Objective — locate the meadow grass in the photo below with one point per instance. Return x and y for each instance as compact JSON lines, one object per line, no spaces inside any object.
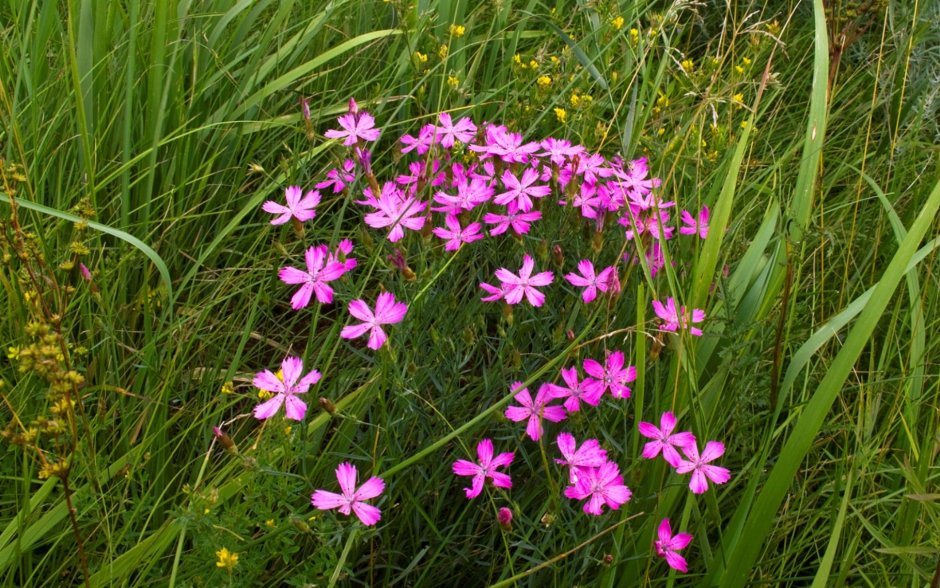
{"x":141,"y":139}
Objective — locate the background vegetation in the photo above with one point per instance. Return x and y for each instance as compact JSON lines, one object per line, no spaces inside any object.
{"x":811,"y":132}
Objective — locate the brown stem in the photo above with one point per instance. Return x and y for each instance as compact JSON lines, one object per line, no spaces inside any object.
{"x":82,"y":558}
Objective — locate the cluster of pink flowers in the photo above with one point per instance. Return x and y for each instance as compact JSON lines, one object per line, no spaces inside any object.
{"x":611,"y":377}
{"x":669,"y":444}
{"x":508,"y":182}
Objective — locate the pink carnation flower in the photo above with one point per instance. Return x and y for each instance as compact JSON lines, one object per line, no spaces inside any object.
{"x":591,"y":281}
{"x":664,"y":440}
{"x":321,"y":268}
{"x":535,"y":410}
{"x":455,"y":235}
{"x":692,"y":226}
{"x":601,"y":485}
{"x":486,"y":468}
{"x":668,"y":544}
{"x":610,"y":376}
{"x":299,"y":206}
{"x":284,"y":389}
{"x":674,"y":319}
{"x":589,"y":455}
{"x":698,"y":465}
{"x":356,"y":126}
{"x":350,"y":499}
{"x":387,"y":311}
{"x":525,"y":284}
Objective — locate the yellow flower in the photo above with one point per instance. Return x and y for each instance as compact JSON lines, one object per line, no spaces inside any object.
{"x":662,"y":101}
{"x":617,"y":22}
{"x":554,"y":60}
{"x":634,"y":36}
{"x":586,"y":99}
{"x":533,"y":64}
{"x":544,"y":81}
{"x":228,"y":387}
{"x":660,"y":131}
{"x":743,"y":124}
{"x":264,"y":394}
{"x":288,"y":429}
{"x":746,"y":61}
{"x":421,"y":57}
{"x":269,"y":523}
{"x":739,"y":69}
{"x":575,"y":100}
{"x":442,"y":51}
{"x":226,"y":559}
{"x":773,"y":28}
{"x":561,"y":114}
{"x":517,"y":59}
{"x":738,"y":98}
{"x":457,"y":30}
{"x":687,"y":65}
{"x":453,"y":82}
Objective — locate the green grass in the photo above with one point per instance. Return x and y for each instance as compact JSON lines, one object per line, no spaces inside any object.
{"x":175,"y":121}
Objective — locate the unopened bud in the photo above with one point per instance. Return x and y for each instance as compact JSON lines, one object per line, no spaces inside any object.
{"x":504,"y":516}
{"x":327,"y":405}
{"x":353,"y":107}
{"x":558,"y":258}
{"x":224,"y":439}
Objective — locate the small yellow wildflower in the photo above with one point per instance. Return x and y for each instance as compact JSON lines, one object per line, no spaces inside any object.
{"x":634,"y":36}
{"x":453,"y":82}
{"x":421,"y":57}
{"x":617,"y":21}
{"x":746,"y":61}
{"x":457,"y":30}
{"x":443,"y":51}
{"x":773,"y":28}
{"x":517,"y":59}
{"x":586,"y":99}
{"x":738,"y":98}
{"x":575,"y":100}
{"x":561,"y":114}
{"x":544,"y":81}
{"x":226,"y":559}
{"x":288,"y":429}
{"x":739,"y":69}
{"x":662,"y":101}
{"x":228,"y":387}
{"x":533,"y":64}
{"x":687,"y":65}
{"x":264,"y":394}
{"x":554,"y":59}
{"x":660,"y":131}
{"x":269,"y":523}
{"x":743,"y":124}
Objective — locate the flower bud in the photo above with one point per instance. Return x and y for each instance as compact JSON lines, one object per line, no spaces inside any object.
{"x":327,"y":405}
{"x":504,"y":516}
{"x":224,"y":439}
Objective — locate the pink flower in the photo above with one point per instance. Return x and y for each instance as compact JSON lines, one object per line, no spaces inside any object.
{"x":698,"y":465}
{"x":300,"y":206}
{"x":678,"y":318}
{"x":341,"y":255}
{"x":560,"y":151}
{"x":486,"y":468}
{"x":663,"y":439}
{"x":351,"y":498}
{"x":514,"y":217}
{"x":320,"y":270}
{"x":611,"y":376}
{"x":420,"y":144}
{"x":515,"y":287}
{"x":84,"y":271}
{"x":535,"y":410}
{"x":448,"y":132}
{"x":521,"y":191}
{"x":692,"y":226}
{"x":356,"y":126}
{"x":338,"y":179}
{"x":387,"y":311}
{"x":471,"y":192}
{"x":395,"y":210}
{"x":668,"y":544}
{"x":455,"y":235}
{"x":601,"y":485}
{"x":575,"y":391}
{"x":284,"y":389}
{"x":589,"y":455}
{"x":590,"y":281}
